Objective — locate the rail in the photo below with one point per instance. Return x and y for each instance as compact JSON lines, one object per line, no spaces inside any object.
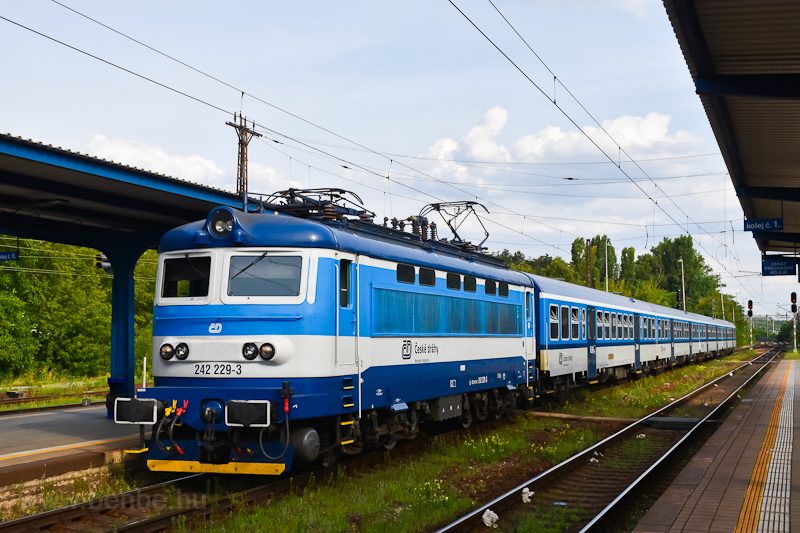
{"x":472,"y":520}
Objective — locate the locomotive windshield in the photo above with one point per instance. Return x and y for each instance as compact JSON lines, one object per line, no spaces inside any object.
{"x":264,"y":275}
{"x":186,"y":277}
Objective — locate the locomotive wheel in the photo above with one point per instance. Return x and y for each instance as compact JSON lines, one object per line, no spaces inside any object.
{"x":480,"y":407}
{"x":466,"y":412}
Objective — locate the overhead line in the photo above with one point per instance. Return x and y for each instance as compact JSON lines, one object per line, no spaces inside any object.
{"x":619,"y":146}
{"x":571,"y":120}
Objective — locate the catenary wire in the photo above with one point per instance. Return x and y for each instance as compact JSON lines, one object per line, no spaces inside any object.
{"x":571,"y":120}
{"x":228,"y":112}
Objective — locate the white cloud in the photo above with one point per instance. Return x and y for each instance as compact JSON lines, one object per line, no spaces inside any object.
{"x":480,"y":138}
{"x":263,"y":179}
{"x":192,"y":168}
{"x":639,"y":136}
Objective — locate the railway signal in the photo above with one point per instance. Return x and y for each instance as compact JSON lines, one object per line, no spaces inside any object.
{"x":679,"y":299}
{"x":750,"y":308}
{"x":104,"y":263}
{"x":794,"y":302}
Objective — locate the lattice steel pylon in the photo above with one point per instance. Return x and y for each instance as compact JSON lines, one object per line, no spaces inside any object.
{"x":245,"y":134}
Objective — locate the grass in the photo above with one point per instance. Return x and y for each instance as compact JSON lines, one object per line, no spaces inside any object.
{"x":51,"y":496}
{"x":791,"y":356}
{"x":415,"y":495}
{"x":547,"y":519}
{"x":632,"y":451}
{"x":49,"y":403}
{"x":636,"y":398}
{"x":52,"y":382}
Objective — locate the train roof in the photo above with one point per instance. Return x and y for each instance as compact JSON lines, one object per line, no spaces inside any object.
{"x":579,"y":292}
{"x":365,"y":238}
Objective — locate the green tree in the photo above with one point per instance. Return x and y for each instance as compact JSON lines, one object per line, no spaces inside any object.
{"x":627,"y":268}
{"x":649,"y":291}
{"x":600,"y":244}
{"x":578,"y":262}
{"x":786,"y":333}
{"x":560,"y":269}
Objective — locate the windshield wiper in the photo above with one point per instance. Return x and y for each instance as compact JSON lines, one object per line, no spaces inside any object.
{"x":262,"y":256}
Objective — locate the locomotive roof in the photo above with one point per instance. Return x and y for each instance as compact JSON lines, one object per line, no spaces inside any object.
{"x":268,"y":229}
{"x":579,"y":292}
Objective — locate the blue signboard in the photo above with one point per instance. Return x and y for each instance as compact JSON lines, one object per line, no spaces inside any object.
{"x":764,"y":224}
{"x":777,"y":267}
{"x":9,"y":256}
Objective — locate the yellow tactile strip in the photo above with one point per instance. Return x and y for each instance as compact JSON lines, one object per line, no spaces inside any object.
{"x":754,"y":497}
{"x":775,"y":509}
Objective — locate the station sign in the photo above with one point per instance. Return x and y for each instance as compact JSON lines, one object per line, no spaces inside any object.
{"x":9,"y":256}
{"x":778,"y":267}
{"x":764,"y":224}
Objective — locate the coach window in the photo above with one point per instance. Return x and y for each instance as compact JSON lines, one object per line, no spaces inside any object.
{"x":652,"y":328}
{"x":607,"y":325}
{"x":619,"y":326}
{"x":490,"y":287}
{"x":503,"y":289}
{"x":613,"y":326}
{"x":427,"y":277}
{"x":576,"y":333}
{"x":564,"y":323}
{"x":553,"y":322}
{"x":645,"y":332}
{"x":625,"y":327}
{"x":344,"y":283}
{"x":583,"y":324}
{"x":599,"y":325}
{"x":631,"y":330}
{"x":453,"y":281}
{"x":470,"y":284}
{"x":405,"y":274}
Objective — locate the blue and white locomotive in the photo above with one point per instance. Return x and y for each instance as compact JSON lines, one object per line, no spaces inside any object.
{"x":302,"y":330}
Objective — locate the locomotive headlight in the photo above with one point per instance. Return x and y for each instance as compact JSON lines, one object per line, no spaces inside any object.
{"x":182,"y":351}
{"x":249,"y":351}
{"x":267,"y":352}
{"x":166,"y":352}
{"x":221,"y":224}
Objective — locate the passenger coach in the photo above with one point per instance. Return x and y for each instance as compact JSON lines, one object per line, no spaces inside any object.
{"x":303,"y":331}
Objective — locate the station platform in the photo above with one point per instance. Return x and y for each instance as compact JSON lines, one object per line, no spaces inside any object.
{"x":742,"y":479}
{"x":53,"y":443}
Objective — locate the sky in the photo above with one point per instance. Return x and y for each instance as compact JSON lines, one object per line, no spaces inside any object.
{"x":592,"y":127}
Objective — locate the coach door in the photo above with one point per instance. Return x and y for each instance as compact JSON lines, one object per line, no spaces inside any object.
{"x":591,"y":339}
{"x":637,"y":344}
{"x":530,"y":354}
{"x":346,"y":309}
{"x":672,"y":340}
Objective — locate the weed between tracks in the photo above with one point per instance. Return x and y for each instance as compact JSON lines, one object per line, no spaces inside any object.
{"x":543,"y":518}
{"x":417,"y":494}
{"x":52,"y":495}
{"x":453,"y":477}
{"x":634,"y":399}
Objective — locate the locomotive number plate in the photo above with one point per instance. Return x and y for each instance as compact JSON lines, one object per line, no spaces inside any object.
{"x":217,"y":369}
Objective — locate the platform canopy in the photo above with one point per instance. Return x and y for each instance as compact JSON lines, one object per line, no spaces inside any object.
{"x":744,"y":58}
{"x":62,"y":196}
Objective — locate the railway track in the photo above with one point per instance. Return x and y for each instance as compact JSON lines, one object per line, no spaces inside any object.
{"x":194,"y":498}
{"x":92,"y":391}
{"x":595,"y":484}
{"x":188,"y":499}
